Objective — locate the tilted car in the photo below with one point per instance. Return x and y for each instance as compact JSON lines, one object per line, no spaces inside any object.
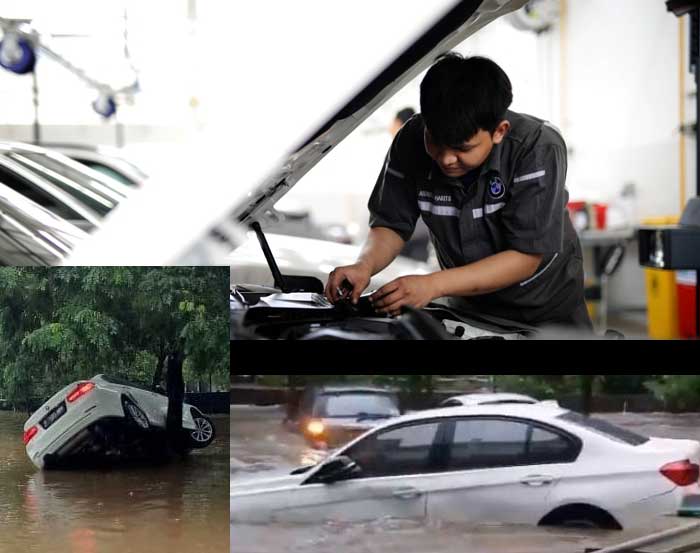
{"x":331,"y":416}
{"x":535,"y":464}
{"x":105,"y":419}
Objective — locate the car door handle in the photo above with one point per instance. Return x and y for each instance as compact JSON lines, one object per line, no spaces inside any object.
{"x":407,"y":493}
{"x":537,"y":481}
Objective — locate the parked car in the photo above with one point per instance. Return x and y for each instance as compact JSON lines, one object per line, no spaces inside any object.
{"x":533,"y":464}
{"x":487,"y":399}
{"x":104,"y":419}
{"x":31,"y":234}
{"x":72,"y":191}
{"x":108,"y":161}
{"x":331,"y":416}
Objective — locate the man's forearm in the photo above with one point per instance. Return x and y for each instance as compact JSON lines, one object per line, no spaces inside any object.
{"x":382,"y":246}
{"x":486,"y":275}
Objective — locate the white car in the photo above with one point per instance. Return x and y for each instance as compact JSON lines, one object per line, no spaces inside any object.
{"x":105,"y":417}
{"x":487,"y":399}
{"x":525,"y":464}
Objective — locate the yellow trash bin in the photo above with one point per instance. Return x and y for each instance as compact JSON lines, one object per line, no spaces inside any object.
{"x":662,"y":295}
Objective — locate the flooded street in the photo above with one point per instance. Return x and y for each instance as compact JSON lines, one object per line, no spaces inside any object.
{"x":181,"y":506}
{"x":260,"y":446}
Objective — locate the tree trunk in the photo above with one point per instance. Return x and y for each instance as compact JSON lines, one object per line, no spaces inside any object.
{"x":587,"y":393}
{"x":176,"y":398}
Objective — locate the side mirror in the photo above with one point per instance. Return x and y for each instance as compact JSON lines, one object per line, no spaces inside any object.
{"x":338,"y":468}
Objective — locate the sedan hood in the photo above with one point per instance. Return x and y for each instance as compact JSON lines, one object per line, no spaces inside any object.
{"x":268,"y":161}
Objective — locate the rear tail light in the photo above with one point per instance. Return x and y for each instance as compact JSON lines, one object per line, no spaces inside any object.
{"x":682,"y":473}
{"x":29,"y":434}
{"x":79,"y":391}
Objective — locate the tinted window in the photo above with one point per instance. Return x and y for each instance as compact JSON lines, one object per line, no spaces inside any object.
{"x":605,"y":428}
{"x":402,"y":451}
{"x":483,"y":443}
{"x":549,"y":447}
{"x":354,"y":405}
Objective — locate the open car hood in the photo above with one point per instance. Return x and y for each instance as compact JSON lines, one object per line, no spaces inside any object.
{"x":214,"y":213}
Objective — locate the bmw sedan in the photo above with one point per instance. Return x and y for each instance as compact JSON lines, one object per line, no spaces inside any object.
{"x":105,"y":419}
{"x":534,"y":464}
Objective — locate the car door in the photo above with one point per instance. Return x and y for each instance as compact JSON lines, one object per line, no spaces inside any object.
{"x":394,"y":467}
{"x":500,"y":469}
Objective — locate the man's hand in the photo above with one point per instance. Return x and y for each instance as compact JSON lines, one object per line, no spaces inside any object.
{"x":414,"y":290}
{"x":358,"y":275}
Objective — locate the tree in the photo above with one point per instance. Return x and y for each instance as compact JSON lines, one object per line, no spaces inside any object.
{"x":67,"y":323}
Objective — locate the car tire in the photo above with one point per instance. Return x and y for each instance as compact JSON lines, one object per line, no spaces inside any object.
{"x":203,"y":434}
{"x":135,"y":415}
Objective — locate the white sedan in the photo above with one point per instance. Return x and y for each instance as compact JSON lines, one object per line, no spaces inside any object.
{"x":511,"y":463}
{"x":487,"y":399}
{"x":105,"y":418}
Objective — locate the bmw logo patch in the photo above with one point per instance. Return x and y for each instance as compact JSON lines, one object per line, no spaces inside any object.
{"x":496,"y":188}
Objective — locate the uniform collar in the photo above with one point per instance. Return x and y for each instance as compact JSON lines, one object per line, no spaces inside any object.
{"x":493,"y":162}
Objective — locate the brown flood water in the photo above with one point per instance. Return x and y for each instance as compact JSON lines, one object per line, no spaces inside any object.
{"x":182,"y":506}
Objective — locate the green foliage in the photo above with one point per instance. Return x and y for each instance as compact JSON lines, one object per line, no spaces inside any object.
{"x":66,"y":323}
{"x":680,"y":392}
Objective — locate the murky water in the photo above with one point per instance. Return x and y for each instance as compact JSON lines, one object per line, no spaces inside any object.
{"x":261,"y":445}
{"x":181,"y":506}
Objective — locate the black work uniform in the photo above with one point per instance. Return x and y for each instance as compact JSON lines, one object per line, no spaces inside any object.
{"x":516,"y":200}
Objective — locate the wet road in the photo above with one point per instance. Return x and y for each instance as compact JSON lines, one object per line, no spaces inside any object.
{"x":182,"y":506}
{"x":261,"y":446}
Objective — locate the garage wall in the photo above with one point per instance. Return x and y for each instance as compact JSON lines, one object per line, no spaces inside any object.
{"x":622,"y":115}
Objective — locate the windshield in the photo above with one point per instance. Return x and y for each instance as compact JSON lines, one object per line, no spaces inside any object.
{"x":356,"y":405}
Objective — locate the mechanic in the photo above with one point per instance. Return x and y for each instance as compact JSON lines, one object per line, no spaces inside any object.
{"x":489,"y":184}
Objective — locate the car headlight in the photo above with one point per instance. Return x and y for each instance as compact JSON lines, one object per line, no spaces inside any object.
{"x":315,"y":428}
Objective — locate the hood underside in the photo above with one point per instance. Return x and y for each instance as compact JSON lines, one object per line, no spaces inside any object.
{"x":461,"y":21}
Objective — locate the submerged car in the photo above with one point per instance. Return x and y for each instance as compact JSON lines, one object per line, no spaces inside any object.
{"x":331,"y":416}
{"x":534,"y":464}
{"x":106,"y":419}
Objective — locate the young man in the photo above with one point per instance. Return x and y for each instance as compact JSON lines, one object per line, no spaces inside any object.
{"x":489,"y":184}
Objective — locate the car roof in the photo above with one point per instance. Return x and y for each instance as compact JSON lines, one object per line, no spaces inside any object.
{"x":339,"y":389}
{"x":481,"y":398}
{"x":538,"y":411}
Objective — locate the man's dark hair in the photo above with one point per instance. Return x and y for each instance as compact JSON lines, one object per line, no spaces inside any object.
{"x":459,"y":96}
{"x":405,"y":114}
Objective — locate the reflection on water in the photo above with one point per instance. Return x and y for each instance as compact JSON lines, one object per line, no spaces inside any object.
{"x":181,"y":506}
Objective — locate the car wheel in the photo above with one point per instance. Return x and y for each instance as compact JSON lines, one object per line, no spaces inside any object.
{"x":135,"y":414}
{"x":204,"y":432}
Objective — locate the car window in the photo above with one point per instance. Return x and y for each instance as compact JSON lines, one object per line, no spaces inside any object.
{"x":351,"y":405}
{"x":605,"y":428}
{"x":484,"y":443}
{"x":108,"y":171}
{"x":549,"y":447}
{"x":451,"y":403}
{"x":395,"y":452}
